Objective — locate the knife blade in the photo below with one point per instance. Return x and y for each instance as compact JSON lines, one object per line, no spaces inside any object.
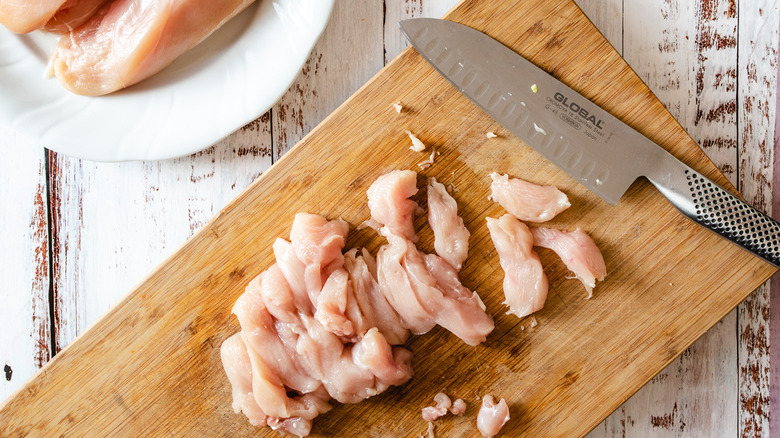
{"x":587,"y":142}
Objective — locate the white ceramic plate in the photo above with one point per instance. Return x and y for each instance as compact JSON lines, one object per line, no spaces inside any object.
{"x":225,"y":82}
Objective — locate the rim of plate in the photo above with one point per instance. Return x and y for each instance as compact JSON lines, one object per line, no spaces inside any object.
{"x":223,"y":83}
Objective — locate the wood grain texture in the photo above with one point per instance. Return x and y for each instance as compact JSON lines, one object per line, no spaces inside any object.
{"x":686,"y":53}
{"x":113,"y":222}
{"x":607,"y":16}
{"x":24,"y":297}
{"x":167,"y":332}
{"x":757,"y":85}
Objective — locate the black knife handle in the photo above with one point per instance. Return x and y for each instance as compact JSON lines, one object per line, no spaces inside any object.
{"x":717,"y":209}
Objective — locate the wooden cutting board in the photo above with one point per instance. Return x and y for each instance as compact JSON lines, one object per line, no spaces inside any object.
{"x":151,"y":366}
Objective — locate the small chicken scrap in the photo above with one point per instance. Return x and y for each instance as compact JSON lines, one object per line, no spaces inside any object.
{"x":443,"y":405}
{"x":492,"y":416}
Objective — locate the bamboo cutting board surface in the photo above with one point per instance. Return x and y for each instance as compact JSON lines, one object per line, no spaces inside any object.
{"x":151,"y":366}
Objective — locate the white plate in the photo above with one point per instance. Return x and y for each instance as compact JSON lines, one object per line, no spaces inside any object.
{"x":225,"y":82}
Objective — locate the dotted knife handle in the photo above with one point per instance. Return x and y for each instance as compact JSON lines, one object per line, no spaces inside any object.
{"x":720,"y":211}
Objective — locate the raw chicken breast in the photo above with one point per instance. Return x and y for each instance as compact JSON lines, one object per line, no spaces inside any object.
{"x":525,"y":284}
{"x":527,"y":201}
{"x":451,"y":238}
{"x":235,"y":360}
{"x":127,"y":41}
{"x":438,"y":292}
{"x":22,"y":16}
{"x":492,"y":416}
{"x":72,"y":14}
{"x":389,"y":203}
{"x":577,"y":250}
{"x":376,"y":311}
{"x":318,"y":243}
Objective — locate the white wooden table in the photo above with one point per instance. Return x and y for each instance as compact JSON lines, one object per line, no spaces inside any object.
{"x":75,"y":235}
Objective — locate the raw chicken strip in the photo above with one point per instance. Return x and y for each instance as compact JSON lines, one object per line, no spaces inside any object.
{"x":438,"y":292}
{"x":396,"y":286}
{"x":337,"y":307}
{"x":527,"y":201}
{"x":72,"y":14}
{"x":525,"y":284}
{"x":388,"y":200}
{"x":492,"y":416}
{"x":318,"y":243}
{"x":235,"y":360}
{"x":127,"y":41}
{"x":443,"y":403}
{"x":376,"y":311}
{"x":391,"y":365}
{"x":293,"y":271}
{"x":451,"y":238}
{"x":261,"y":330}
{"x":577,"y":250}
{"x":22,"y":16}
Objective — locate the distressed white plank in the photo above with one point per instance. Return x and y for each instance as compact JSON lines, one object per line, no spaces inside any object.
{"x":112,"y":223}
{"x":24,"y":268}
{"x":397,"y":10}
{"x":686,"y":53}
{"x":758,"y":43}
{"x":347,"y":55}
{"x":607,"y":15}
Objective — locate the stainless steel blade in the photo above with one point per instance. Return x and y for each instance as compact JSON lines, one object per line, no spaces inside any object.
{"x":588,"y":143}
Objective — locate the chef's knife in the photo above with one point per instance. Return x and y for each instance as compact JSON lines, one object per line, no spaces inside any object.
{"x":592,"y":146}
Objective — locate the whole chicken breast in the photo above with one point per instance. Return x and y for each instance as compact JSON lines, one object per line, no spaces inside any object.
{"x":22,"y":16}
{"x":126,"y":41}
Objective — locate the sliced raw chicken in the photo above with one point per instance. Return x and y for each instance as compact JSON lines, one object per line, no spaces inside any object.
{"x":375,"y":309}
{"x":261,"y":331}
{"x":396,"y":286}
{"x":72,"y":14}
{"x":577,"y":250}
{"x":337,"y":308}
{"x":22,"y":16}
{"x":127,"y":41}
{"x":391,"y":365}
{"x":318,"y":243}
{"x":525,"y":284}
{"x":235,"y":360}
{"x":527,"y":201}
{"x":451,"y":238}
{"x":293,"y":271}
{"x":353,"y":373}
{"x":389,"y":203}
{"x":492,"y":416}
{"x":438,"y":292}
